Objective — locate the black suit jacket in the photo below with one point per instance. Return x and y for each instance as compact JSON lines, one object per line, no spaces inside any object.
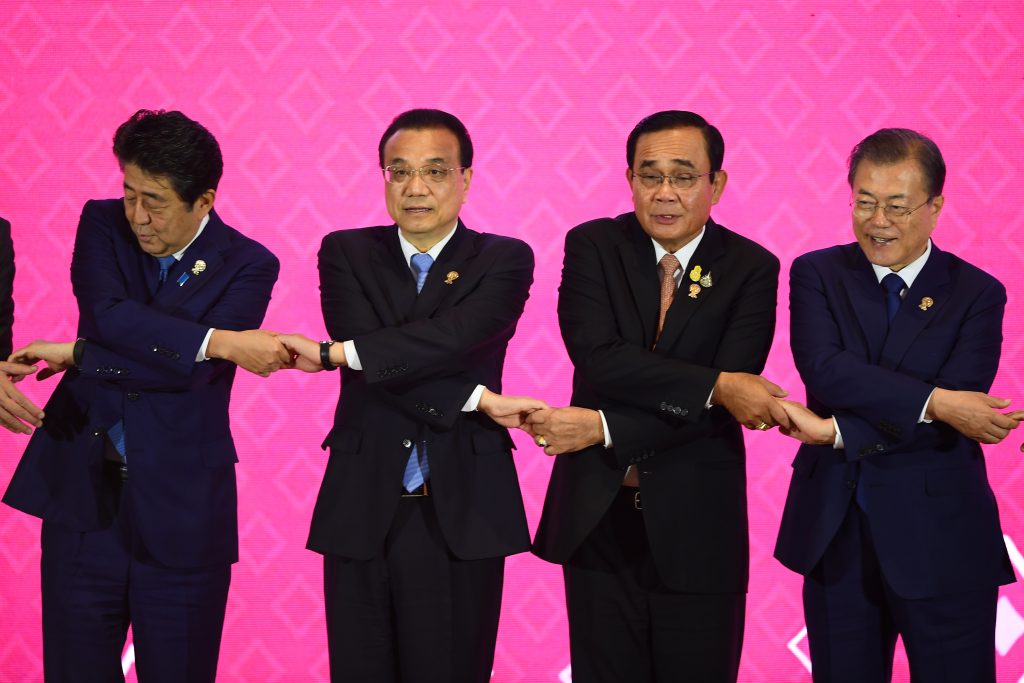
{"x":6,"y":290}
{"x":691,"y":459}
{"x":421,"y":357}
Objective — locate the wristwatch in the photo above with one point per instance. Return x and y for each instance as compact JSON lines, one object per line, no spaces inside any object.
{"x":325,"y":355}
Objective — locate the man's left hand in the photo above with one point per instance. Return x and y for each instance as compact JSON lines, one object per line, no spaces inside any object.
{"x":509,"y":411}
{"x":17,"y":413}
{"x":565,"y":430}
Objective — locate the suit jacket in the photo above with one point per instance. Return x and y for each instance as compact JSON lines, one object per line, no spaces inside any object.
{"x":691,"y":459}
{"x":6,"y":290}
{"x":139,"y":366}
{"x":932,"y":514}
{"x":421,"y":358}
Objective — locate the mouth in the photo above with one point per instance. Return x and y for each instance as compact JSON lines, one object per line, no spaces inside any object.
{"x":881,"y":240}
{"x":665,"y":218}
{"x":417,"y":210}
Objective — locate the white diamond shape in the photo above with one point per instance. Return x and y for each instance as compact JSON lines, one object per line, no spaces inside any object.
{"x":496,"y":39}
{"x":186,"y":23}
{"x":753,"y":42}
{"x":992,"y":36}
{"x":827,"y":36}
{"x":584,"y":30}
{"x":347,"y":44}
{"x":794,"y":646}
{"x":665,"y":25}
{"x":1009,"y":626}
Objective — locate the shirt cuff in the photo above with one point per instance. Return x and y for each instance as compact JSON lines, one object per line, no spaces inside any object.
{"x":474,"y":399}
{"x":707,"y":403}
{"x":838,"y":443}
{"x":351,"y":356}
{"x":607,"y":432}
{"x":924,"y":411}
{"x":201,"y":356}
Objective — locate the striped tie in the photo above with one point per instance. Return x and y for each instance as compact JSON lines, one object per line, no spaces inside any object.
{"x":417,"y":469}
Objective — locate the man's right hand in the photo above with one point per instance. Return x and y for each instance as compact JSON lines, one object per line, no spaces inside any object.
{"x":257,"y":351}
{"x":751,"y":400}
{"x":17,"y":413}
{"x":973,"y":414}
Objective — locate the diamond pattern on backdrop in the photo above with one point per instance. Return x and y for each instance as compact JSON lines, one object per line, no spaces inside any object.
{"x":298,"y":95}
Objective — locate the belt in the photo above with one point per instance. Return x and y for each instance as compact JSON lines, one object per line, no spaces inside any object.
{"x":631,"y":494}
{"x":421,"y":491}
{"x":115,"y":468}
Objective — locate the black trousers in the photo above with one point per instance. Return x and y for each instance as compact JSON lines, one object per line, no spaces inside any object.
{"x":854,"y":616}
{"x":626,"y":626}
{"x":414,"y":613}
{"x":96,"y":583}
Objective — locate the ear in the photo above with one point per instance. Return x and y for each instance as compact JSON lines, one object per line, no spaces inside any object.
{"x":718,"y":186}
{"x":204,"y":204}
{"x":629,"y":177}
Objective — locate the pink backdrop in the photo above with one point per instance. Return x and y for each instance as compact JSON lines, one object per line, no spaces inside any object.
{"x":298,"y":94}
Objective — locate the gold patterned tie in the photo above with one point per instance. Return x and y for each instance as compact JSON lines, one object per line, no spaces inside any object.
{"x":668,"y":264}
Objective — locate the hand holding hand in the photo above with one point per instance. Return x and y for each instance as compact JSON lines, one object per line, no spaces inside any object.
{"x":257,"y":351}
{"x":16,"y":411}
{"x":565,"y":430}
{"x":751,"y":400}
{"x":58,"y":356}
{"x":509,"y":411}
{"x":973,"y":414}
{"x":304,"y":351}
{"x":806,"y":426}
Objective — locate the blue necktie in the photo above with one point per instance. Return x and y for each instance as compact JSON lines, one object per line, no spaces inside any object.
{"x":417,"y":470}
{"x":893,"y":285}
{"x":116,"y":433}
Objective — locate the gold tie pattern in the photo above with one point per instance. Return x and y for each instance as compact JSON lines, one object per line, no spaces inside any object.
{"x":668,"y":264}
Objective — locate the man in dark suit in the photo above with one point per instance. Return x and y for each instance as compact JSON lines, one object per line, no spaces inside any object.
{"x":890,"y":517}
{"x":420,"y":502}
{"x":666,"y":316}
{"x":17,"y":413}
{"x":133,"y":470}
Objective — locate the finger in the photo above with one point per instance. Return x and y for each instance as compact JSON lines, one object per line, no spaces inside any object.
{"x":996,"y":402}
{"x":20,"y":370}
{"x":537,"y":418}
{"x":24,"y":409}
{"x":779,"y":415}
{"x":551,"y":450}
{"x":12,"y":424}
{"x":774,"y":389}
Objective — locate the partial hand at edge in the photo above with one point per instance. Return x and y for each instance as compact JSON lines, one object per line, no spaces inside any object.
{"x":58,"y":356}
{"x":806,"y":426}
{"x":17,"y":413}
{"x":973,"y":414}
{"x":509,"y":411}
{"x":305,"y":352}
{"x":566,"y":430}
{"x":750,"y":399}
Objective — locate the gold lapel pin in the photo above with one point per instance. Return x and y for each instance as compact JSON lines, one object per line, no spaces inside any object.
{"x":198,"y":267}
{"x":705,"y":281}
{"x":694,"y":290}
{"x":926,"y":303}
{"x":695,"y":273}
{"x":451,"y":277}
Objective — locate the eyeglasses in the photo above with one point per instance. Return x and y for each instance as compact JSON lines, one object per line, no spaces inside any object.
{"x":867,"y":209}
{"x":435,"y":173}
{"x":679,"y":181}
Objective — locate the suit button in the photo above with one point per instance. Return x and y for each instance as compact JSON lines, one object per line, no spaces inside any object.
{"x":677,"y":410}
{"x":133,"y":396}
{"x":407,"y":443}
{"x":156,"y":349}
{"x":851,"y":484}
{"x":663,"y":406}
{"x":432,"y":411}
{"x":684,"y":412}
{"x":97,"y":433}
{"x":176,"y":356}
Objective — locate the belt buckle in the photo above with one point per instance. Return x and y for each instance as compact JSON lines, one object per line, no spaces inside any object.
{"x":423,"y":491}
{"x":637,"y":504}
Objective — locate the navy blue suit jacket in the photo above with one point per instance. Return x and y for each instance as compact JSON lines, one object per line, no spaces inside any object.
{"x":6,"y":289}
{"x":139,"y":366}
{"x":932,"y":514}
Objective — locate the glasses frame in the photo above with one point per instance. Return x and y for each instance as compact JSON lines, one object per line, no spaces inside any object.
{"x":421,"y":172}
{"x":887,"y":210}
{"x":673,"y":179}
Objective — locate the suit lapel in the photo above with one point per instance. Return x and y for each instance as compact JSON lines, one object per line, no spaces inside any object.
{"x":451,"y":259}
{"x":867,"y":300}
{"x":393,"y":273}
{"x":637,"y":255}
{"x":910,"y":320}
{"x":198,"y":265}
{"x":683,"y":305}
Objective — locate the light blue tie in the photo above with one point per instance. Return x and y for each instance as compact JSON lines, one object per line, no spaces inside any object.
{"x":417,"y":470}
{"x":116,"y":433}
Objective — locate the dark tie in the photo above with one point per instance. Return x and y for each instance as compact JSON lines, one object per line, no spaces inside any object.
{"x":417,"y":470}
{"x":893,"y":285}
{"x":165,"y":265}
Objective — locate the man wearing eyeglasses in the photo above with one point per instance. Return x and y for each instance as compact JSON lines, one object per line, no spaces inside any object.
{"x":890,"y":516}
{"x":420,"y":502}
{"x":667,"y":317}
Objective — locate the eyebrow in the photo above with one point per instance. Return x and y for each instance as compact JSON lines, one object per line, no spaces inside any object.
{"x":892,"y":196}
{"x":432,"y":160}
{"x":647,"y":163}
{"x":151,"y":195}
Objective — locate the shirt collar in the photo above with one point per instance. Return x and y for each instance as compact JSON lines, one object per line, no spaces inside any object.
{"x":408,"y":249}
{"x":202,"y":224}
{"x":909,"y":272}
{"x":685,"y":253}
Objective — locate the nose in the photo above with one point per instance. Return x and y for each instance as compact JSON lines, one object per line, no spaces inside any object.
{"x":136,"y":213}
{"x":879,"y":217}
{"x":416,"y":185}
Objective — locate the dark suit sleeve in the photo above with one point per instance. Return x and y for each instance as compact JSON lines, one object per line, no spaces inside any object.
{"x":6,"y":290}
{"x":634,"y":380}
{"x":873,"y":404}
{"x":446,"y":345}
{"x":121,"y":329}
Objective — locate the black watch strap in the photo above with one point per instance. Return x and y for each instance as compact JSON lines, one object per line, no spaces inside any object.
{"x":78,"y":353}
{"x":325,"y":355}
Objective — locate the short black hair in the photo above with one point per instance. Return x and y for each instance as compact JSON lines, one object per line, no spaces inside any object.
{"x":671,"y":119}
{"x":426,"y":119}
{"x":169,"y":144}
{"x":893,"y":145}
